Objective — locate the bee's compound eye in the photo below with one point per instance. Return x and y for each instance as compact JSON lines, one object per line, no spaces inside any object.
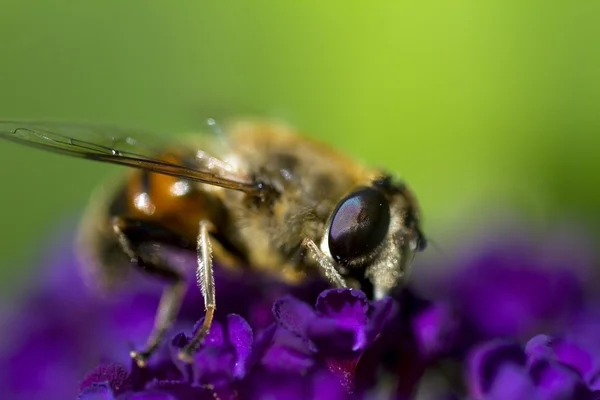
{"x":359,"y":224}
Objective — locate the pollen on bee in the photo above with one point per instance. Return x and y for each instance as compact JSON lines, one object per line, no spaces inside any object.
{"x":142,"y":202}
{"x":180,"y":188}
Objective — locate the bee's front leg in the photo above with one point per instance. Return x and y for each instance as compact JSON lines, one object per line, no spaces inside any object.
{"x":206,"y":282}
{"x":132,"y":234}
{"x":326,"y":265}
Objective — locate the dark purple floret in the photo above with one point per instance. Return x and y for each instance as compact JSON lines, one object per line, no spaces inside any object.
{"x":294,"y":354}
{"x":343,"y":323}
{"x":111,"y":376}
{"x":222,"y":369}
{"x":225,"y":353}
{"x":270,"y":340}
{"x":336,"y":333}
{"x":435,"y":329}
{"x":63,"y":329}
{"x":511,"y":280}
{"x":502,"y":369}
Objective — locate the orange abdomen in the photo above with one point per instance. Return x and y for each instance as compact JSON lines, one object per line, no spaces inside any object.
{"x":173,"y":202}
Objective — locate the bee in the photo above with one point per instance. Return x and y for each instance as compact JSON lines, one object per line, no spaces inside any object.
{"x":263,"y":196}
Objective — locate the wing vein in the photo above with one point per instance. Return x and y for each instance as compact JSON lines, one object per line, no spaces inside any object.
{"x":129,"y":148}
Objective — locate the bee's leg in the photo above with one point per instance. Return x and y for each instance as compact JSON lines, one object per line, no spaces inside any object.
{"x":206,"y":282}
{"x":131,"y":235}
{"x":325,"y":263}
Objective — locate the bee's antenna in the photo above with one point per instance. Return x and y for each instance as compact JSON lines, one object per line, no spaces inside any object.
{"x":435,"y":246}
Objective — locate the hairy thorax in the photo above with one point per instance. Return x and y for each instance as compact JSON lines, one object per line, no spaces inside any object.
{"x":309,"y":178}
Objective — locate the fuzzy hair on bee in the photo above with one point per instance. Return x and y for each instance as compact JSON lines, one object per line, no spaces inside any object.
{"x":264,"y":197}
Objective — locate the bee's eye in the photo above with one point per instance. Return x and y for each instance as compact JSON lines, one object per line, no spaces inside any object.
{"x":359,"y":224}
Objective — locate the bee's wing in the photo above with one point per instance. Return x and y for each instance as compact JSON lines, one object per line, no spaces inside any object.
{"x":128,"y":147}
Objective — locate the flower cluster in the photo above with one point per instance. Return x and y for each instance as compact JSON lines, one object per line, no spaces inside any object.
{"x":508,"y":318}
{"x":546,"y":368}
{"x":304,"y":354}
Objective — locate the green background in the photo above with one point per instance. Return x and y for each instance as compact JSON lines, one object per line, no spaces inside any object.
{"x":480,"y":105}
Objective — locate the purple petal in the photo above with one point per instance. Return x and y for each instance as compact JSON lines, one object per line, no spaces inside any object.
{"x":511,"y":280}
{"x":152,"y":395}
{"x":225,"y":351}
{"x":434,"y":329}
{"x":240,"y":336}
{"x":288,"y":353}
{"x":341,"y":327}
{"x":326,"y":386}
{"x":344,"y":372}
{"x":134,"y":316}
{"x":214,"y":366}
{"x":331,"y":338}
{"x":215,"y":335}
{"x":487,"y":359}
{"x":568,"y":353}
{"x":275,"y":385}
{"x":556,"y":381}
{"x":318,"y":385}
{"x":347,"y":305}
{"x":380,"y":313}
{"x":175,"y":390}
{"x":215,"y":362}
{"x":262,"y":342}
{"x":115,"y":376}
{"x":97,"y":391}
{"x":506,"y":298}
{"x":539,"y":348}
{"x":512,"y":382}
{"x":293,"y":314}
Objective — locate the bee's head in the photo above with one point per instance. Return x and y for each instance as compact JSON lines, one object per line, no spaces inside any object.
{"x":373,"y":234}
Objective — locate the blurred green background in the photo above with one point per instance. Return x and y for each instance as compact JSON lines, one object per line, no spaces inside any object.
{"x":479,"y":105}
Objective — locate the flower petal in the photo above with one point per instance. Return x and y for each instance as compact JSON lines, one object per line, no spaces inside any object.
{"x":539,"y":348}
{"x":288,"y":353}
{"x":343,"y":370}
{"x":512,"y":382}
{"x":293,"y":314}
{"x":380,"y":313}
{"x":487,"y":359}
{"x":327,"y":386}
{"x":556,"y":381}
{"x":262,"y":342}
{"x":215,"y":336}
{"x":332,"y":338}
{"x":153,"y":395}
{"x":342,"y":322}
{"x":344,"y":304}
{"x":511,"y":279}
{"x":97,"y":391}
{"x":115,"y":376}
{"x":317,"y":385}
{"x":543,"y":347}
{"x":239,"y":335}
{"x":434,"y":329}
{"x":175,"y":390}
{"x":214,"y":366}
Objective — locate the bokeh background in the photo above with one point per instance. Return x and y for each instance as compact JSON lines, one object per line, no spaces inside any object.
{"x":480,"y":106}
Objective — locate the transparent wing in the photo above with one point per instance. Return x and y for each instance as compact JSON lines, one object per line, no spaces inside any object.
{"x":128,"y":147}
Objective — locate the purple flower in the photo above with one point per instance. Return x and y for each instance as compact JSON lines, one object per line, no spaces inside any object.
{"x":314,"y":351}
{"x":336,"y":333}
{"x":502,"y":369}
{"x":270,"y":340}
{"x":511,"y":280}
{"x":61,"y":329}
